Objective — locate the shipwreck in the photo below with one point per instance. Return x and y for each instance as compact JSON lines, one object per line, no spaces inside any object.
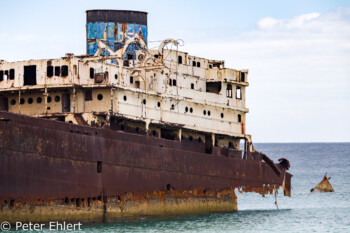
{"x":126,"y":131}
{"x":324,"y":186}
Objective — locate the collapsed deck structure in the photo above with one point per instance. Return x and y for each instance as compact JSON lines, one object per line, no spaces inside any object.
{"x":125,"y":131}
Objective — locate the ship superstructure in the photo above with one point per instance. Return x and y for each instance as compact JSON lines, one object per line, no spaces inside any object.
{"x":164,"y":94}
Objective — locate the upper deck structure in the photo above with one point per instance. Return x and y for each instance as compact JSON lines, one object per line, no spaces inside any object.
{"x":164,"y":93}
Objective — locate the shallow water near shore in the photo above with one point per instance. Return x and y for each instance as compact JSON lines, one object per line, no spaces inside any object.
{"x":303,"y":212}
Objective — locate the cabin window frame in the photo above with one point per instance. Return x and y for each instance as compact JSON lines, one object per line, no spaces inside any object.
{"x":64,"y":71}
{"x":238,"y":93}
{"x":49,"y":71}
{"x":88,"y":95}
{"x":92,"y":73}
{"x":179,"y":59}
{"x":57,"y":71}
{"x":229,"y":91}
{"x":242,"y":76}
{"x":12,"y":74}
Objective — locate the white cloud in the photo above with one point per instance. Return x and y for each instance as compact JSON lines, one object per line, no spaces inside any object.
{"x":267,"y":22}
{"x":299,"y":75}
{"x":297,"y":22}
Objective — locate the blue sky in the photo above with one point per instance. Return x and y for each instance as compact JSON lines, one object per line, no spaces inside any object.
{"x":297,"y":52}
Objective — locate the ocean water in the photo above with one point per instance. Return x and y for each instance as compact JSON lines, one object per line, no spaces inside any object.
{"x":303,"y":212}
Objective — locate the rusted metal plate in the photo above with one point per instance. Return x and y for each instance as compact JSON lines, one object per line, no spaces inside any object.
{"x":50,"y":160}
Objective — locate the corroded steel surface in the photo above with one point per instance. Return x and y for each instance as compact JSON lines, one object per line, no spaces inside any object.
{"x":122,"y":16}
{"x":323,"y":186}
{"x":156,"y":203}
{"x":43,"y":160}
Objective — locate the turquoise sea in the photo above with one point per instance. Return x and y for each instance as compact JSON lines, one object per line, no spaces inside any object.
{"x":303,"y":212}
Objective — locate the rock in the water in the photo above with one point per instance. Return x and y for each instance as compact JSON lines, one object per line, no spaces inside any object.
{"x":323,"y":186}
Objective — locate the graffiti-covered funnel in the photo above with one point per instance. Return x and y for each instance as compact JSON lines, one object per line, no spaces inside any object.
{"x":114,"y":27}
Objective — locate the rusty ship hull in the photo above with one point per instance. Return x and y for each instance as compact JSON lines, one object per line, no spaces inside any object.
{"x":53,"y":170}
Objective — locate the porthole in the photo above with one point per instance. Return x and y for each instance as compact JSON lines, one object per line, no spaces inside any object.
{"x":144,"y":101}
{"x":57,"y":98}
{"x":204,"y":112}
{"x":186,"y":109}
{"x":158,"y":104}
{"x":191,"y":110}
{"x":124,"y":97}
{"x":141,"y":57}
{"x":22,"y":101}
{"x":30,"y":100}
{"x":13,"y":102}
{"x":99,"y":96}
{"x":208,"y":113}
{"x":116,"y":76}
{"x":172,"y":107}
{"x":49,"y":99}
{"x":222,"y":115}
{"x":39,"y":100}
